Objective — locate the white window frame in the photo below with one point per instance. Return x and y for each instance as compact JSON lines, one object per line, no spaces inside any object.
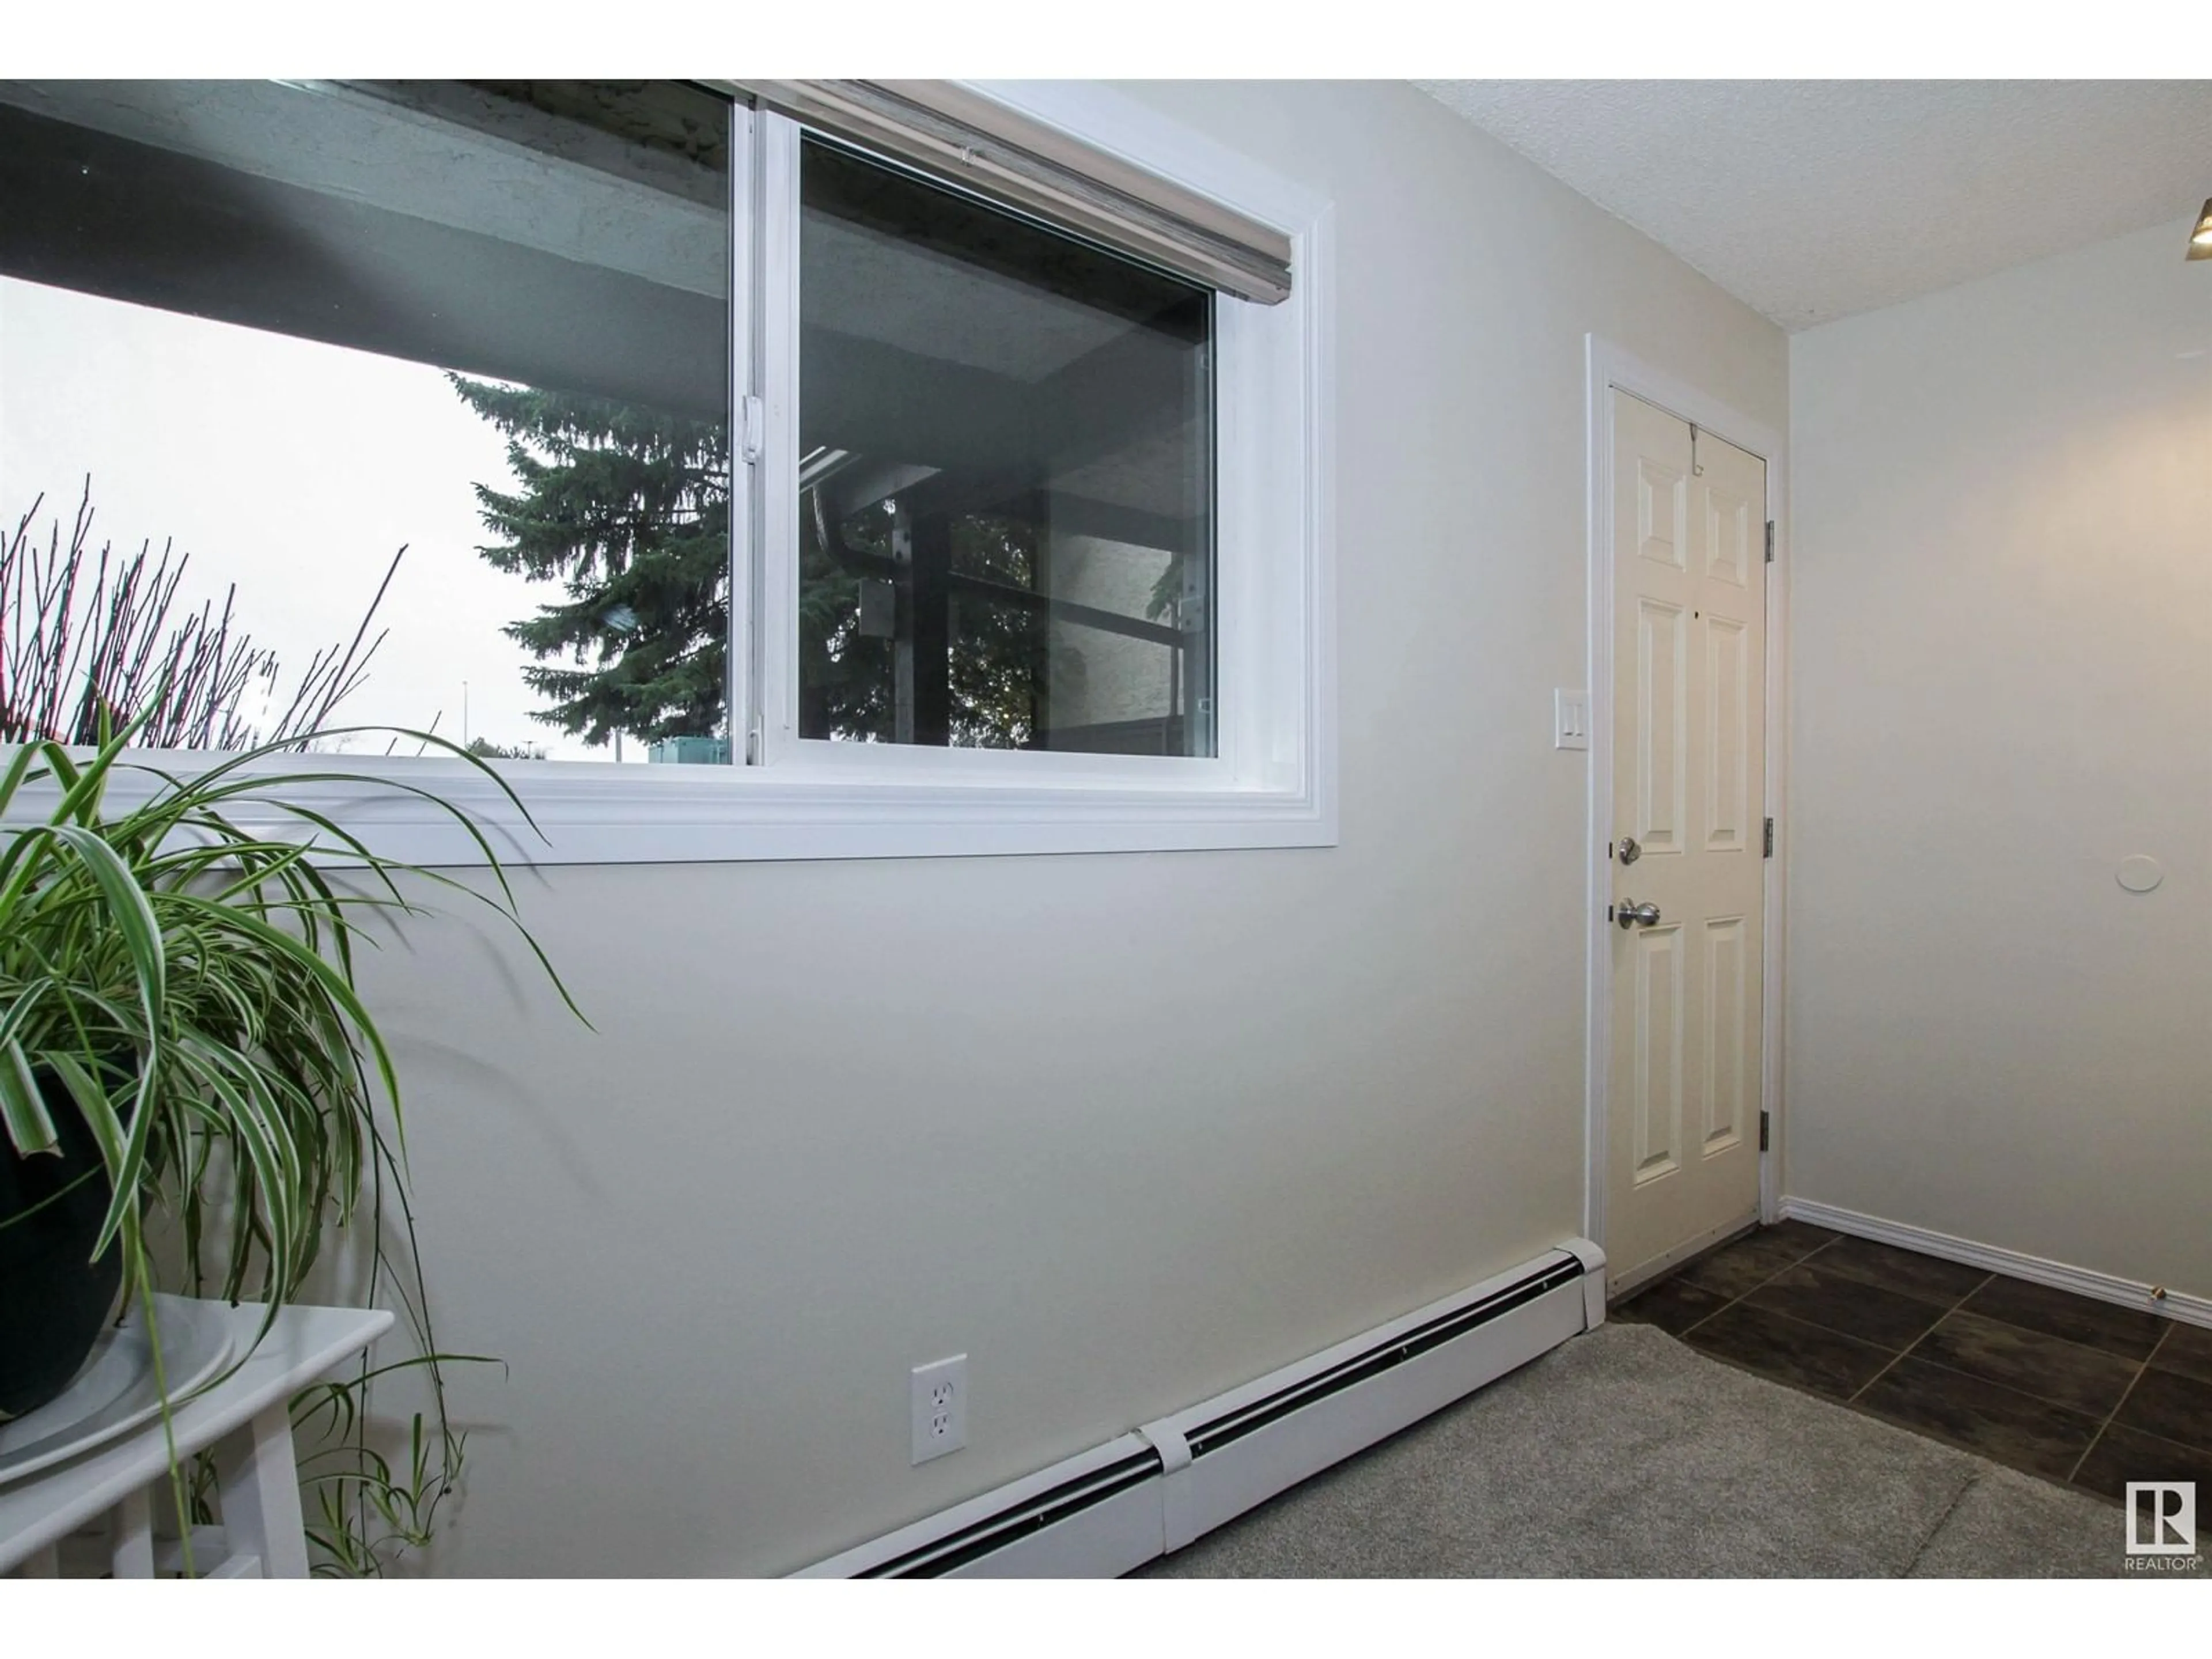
{"x":1272,"y":780}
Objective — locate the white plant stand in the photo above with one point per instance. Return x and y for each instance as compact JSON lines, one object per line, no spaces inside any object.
{"x":246,"y":1419}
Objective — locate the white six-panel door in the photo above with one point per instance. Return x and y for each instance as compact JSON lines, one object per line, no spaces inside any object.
{"x":1688,"y":789}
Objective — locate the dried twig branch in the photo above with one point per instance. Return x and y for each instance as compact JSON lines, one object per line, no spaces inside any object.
{"x":81,"y":633}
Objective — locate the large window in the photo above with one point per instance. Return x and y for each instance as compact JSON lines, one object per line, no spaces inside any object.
{"x":586,"y":422}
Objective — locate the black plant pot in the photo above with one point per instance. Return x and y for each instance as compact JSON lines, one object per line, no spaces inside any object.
{"x":54,"y":1299}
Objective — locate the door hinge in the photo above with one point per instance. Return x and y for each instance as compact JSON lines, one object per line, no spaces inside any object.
{"x":752,"y":430}
{"x":1765,"y":1129}
{"x":1770,"y":838}
{"x":1770,"y":541}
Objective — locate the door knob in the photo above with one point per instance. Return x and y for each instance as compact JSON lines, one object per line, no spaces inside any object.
{"x":1629,"y":914}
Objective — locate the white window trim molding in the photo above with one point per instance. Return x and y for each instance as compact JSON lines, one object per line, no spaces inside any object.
{"x":1272,"y":782}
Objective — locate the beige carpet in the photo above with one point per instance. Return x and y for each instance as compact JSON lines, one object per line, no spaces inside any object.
{"x":1625,"y":1454}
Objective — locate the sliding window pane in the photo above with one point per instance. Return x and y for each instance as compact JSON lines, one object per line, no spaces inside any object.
{"x":1006,"y":514}
{"x":286,"y":329}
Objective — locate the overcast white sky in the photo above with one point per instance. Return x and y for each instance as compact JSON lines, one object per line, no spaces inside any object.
{"x":294,"y":469}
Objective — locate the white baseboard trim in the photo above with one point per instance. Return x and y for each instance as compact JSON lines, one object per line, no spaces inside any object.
{"x":1116,"y":1506}
{"x":2060,"y":1275}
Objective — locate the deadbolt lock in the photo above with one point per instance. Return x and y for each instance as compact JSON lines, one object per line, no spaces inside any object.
{"x":1630,"y":852}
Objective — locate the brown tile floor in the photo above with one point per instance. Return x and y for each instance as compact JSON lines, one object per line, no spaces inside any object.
{"x":2060,"y":1385}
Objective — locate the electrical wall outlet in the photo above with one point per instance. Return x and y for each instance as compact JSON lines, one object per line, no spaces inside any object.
{"x":939,"y":1401}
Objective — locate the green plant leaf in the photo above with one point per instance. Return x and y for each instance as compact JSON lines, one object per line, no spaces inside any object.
{"x":101,"y":1117}
{"x":19,"y":769}
{"x":30,"y":1129}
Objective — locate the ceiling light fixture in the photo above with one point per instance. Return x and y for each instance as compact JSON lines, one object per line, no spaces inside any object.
{"x":2200,"y":240}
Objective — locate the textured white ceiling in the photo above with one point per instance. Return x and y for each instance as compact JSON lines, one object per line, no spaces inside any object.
{"x":1811,"y":200}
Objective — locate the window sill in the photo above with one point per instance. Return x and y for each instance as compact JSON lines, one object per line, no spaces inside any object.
{"x":587,"y":813}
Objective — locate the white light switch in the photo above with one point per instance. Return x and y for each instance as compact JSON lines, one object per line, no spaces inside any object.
{"x":1570,"y":726}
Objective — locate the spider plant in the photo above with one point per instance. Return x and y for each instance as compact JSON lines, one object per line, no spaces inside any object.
{"x":190,"y":981}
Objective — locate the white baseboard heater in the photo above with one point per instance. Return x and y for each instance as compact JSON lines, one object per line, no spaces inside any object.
{"x":1113,"y":1508}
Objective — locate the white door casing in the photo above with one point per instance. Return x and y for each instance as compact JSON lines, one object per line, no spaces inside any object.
{"x":1688,"y":711}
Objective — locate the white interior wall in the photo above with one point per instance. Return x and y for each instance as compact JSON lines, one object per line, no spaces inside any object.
{"x":2001,"y":618}
{"x":1125,"y":1129}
